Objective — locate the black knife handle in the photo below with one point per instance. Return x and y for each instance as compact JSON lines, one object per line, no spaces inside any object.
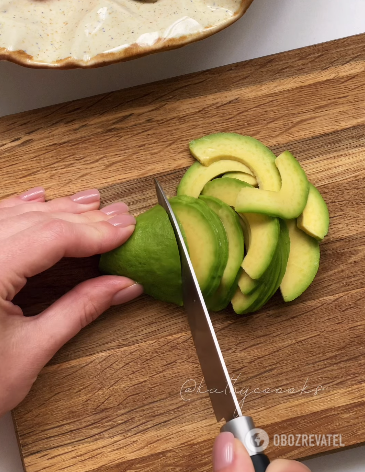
{"x":244,"y":430}
{"x":260,"y":462}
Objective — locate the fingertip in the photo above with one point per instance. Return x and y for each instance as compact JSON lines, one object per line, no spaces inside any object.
{"x":127,"y":294}
{"x":34,"y":194}
{"x":85,"y":197}
{"x":229,"y":455}
{"x":125,"y":232}
{"x":284,"y":465}
{"x":115,"y":208}
{"x":122,"y":221}
{"x":242,"y":459}
{"x":223,"y":451}
{"x":112,"y":236}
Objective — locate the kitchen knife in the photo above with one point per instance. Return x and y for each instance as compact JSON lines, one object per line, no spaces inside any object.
{"x":217,"y":379}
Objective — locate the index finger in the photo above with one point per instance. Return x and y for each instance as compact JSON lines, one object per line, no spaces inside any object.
{"x":36,"y":194}
{"x":38,"y":248}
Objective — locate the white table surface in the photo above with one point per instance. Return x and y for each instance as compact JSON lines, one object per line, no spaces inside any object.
{"x":270,"y":26}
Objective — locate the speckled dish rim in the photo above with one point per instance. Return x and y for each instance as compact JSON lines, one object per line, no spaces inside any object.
{"x":131,"y":52}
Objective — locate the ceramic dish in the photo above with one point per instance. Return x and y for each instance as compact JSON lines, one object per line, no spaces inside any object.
{"x":91,"y":33}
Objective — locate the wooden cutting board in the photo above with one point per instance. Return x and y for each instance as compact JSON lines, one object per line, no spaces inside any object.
{"x":111,"y":399}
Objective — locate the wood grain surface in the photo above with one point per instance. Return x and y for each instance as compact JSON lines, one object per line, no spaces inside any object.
{"x":110,"y":400}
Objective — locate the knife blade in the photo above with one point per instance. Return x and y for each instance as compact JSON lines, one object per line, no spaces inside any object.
{"x":222,"y":394}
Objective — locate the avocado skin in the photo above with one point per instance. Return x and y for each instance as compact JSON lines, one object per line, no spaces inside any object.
{"x":149,"y":257}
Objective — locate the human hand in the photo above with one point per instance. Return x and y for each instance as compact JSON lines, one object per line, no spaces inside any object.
{"x":229,"y":455}
{"x":34,"y":235}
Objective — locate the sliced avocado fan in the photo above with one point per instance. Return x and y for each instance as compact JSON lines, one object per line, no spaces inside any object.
{"x":244,"y":242}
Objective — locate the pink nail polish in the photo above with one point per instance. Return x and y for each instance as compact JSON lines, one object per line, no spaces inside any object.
{"x":122,"y":220}
{"x":223,"y":451}
{"x":127,"y":294}
{"x":33,"y":194}
{"x":115,"y":208}
{"x":86,"y":196}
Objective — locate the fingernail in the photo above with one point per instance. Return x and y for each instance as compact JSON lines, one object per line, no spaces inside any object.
{"x":127,"y":294}
{"x":122,"y":220}
{"x":86,"y":196}
{"x":223,"y":451}
{"x":115,"y":208}
{"x":33,"y":194}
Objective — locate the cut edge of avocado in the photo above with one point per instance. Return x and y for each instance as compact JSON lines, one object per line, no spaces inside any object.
{"x":249,"y":179}
{"x":227,"y":189}
{"x":315,"y":218}
{"x":262,"y":240}
{"x":190,"y":210}
{"x":198,"y":175}
{"x":245,"y":149}
{"x":282,"y":261}
{"x":289,"y":202}
{"x":243,"y":304}
{"x":246,"y":284}
{"x":265,"y":229}
{"x":270,"y":281}
{"x":222,"y":238}
{"x":303,"y":263}
{"x":230,"y":220}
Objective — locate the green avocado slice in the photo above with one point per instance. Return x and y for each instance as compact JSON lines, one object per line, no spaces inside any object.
{"x":230,"y":220}
{"x":227,"y":189}
{"x":198,"y":175}
{"x":271,"y":280}
{"x":249,"y":179}
{"x":150,"y":257}
{"x":249,"y":151}
{"x":246,"y":284}
{"x":302,"y":265}
{"x":279,"y":271}
{"x":261,"y":232}
{"x":288,"y":202}
{"x":206,"y":238}
{"x":243,"y":303}
{"x":315,"y":218}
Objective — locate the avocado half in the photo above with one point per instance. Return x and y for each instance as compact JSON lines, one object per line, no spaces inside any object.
{"x":150,"y":257}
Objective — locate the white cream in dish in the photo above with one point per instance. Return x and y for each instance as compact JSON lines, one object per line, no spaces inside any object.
{"x":53,"y":30}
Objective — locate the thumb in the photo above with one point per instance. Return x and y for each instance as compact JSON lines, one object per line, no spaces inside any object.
{"x":229,"y":455}
{"x":31,"y":342}
{"x":72,"y":312}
